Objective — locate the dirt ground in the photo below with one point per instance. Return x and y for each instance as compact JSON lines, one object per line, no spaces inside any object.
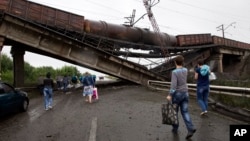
{"x":122,"y":113}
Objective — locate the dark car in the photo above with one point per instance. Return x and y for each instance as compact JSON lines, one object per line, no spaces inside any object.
{"x":12,"y":100}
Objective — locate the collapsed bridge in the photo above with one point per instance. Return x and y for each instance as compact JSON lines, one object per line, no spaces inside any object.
{"x":28,"y":26}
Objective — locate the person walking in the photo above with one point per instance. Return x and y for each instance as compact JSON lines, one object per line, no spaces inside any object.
{"x":48,"y":91}
{"x":59,"y":82}
{"x":74,"y":81}
{"x":179,"y":95}
{"x":202,"y":76}
{"x":88,"y":85}
{"x":65,"y":83}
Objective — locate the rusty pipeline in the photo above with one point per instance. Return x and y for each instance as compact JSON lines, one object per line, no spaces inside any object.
{"x":130,"y":34}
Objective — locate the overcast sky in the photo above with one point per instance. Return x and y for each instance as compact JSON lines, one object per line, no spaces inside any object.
{"x":174,"y":17}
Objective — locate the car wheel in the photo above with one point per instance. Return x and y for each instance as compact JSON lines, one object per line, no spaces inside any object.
{"x":25,"y":106}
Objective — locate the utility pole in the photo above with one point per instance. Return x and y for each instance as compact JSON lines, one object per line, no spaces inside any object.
{"x":221,"y":27}
{"x":130,"y":19}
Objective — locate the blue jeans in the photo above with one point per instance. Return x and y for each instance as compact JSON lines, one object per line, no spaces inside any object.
{"x":202,"y":97}
{"x":47,"y":92}
{"x":181,"y":99}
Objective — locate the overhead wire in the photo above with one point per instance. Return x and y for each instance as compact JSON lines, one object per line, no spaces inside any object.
{"x":222,"y":13}
{"x":213,"y":10}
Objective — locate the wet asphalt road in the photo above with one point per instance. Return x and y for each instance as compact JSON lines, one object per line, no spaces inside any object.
{"x":123,"y":113}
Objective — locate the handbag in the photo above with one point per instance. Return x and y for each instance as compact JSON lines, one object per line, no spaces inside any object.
{"x":169,"y":113}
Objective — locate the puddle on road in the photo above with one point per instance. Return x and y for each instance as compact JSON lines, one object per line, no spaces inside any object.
{"x":38,"y":111}
{"x":34,"y":114}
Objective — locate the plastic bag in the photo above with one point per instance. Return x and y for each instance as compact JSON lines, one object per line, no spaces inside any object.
{"x":212,"y":76}
{"x":169,"y":114}
{"x":95,"y":94}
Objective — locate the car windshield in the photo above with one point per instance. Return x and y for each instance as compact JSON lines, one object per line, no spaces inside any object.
{"x":5,"y":88}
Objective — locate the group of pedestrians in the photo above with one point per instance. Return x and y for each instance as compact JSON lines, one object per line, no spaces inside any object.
{"x":178,"y":91}
{"x":63,"y":82}
{"x":46,"y":86}
{"x":179,"y":95}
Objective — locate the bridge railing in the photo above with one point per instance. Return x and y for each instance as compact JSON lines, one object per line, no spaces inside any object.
{"x":215,"y":89}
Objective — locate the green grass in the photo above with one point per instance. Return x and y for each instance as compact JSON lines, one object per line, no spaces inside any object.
{"x":233,"y":101}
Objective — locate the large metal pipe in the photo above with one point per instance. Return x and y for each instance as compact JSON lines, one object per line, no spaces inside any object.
{"x":130,"y":34}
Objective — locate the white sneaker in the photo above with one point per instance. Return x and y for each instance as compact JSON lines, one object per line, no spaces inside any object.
{"x":203,"y":113}
{"x":50,"y":107}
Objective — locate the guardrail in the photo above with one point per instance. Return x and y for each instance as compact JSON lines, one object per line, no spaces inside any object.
{"x":215,"y":89}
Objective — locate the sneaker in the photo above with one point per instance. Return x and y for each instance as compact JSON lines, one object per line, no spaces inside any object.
{"x":203,"y":113}
{"x":46,"y":109}
{"x":190,"y":133}
{"x":50,"y":107}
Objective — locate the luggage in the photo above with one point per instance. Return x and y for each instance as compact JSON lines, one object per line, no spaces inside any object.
{"x":95,"y":94}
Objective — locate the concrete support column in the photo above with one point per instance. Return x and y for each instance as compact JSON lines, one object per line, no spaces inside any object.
{"x":18,"y":61}
{"x":217,"y":61}
{"x":1,"y":47}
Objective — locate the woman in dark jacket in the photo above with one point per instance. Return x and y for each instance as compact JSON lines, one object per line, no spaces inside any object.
{"x":48,"y":91}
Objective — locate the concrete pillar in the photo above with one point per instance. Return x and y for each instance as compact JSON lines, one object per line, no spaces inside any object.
{"x":217,"y":63}
{"x":1,"y":47}
{"x":18,"y":61}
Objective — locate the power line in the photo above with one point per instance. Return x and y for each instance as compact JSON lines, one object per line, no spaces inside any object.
{"x":222,"y":28}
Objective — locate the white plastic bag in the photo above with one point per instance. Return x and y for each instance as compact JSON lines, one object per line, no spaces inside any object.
{"x":212,"y":76}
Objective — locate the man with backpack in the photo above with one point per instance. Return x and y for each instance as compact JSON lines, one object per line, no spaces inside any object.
{"x":202,"y":76}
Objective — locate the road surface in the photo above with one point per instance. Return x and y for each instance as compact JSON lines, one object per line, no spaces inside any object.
{"x":122,"y":113}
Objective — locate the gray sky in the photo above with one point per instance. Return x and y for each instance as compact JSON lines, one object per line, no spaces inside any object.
{"x":174,"y":17}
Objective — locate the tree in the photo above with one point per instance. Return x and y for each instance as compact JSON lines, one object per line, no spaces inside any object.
{"x":31,"y":73}
{"x":6,"y":63}
{"x":70,"y":70}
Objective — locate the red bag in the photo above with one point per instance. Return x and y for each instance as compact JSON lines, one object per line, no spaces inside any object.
{"x":95,"y":94}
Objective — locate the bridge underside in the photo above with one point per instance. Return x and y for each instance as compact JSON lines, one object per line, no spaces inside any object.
{"x":29,"y":36}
